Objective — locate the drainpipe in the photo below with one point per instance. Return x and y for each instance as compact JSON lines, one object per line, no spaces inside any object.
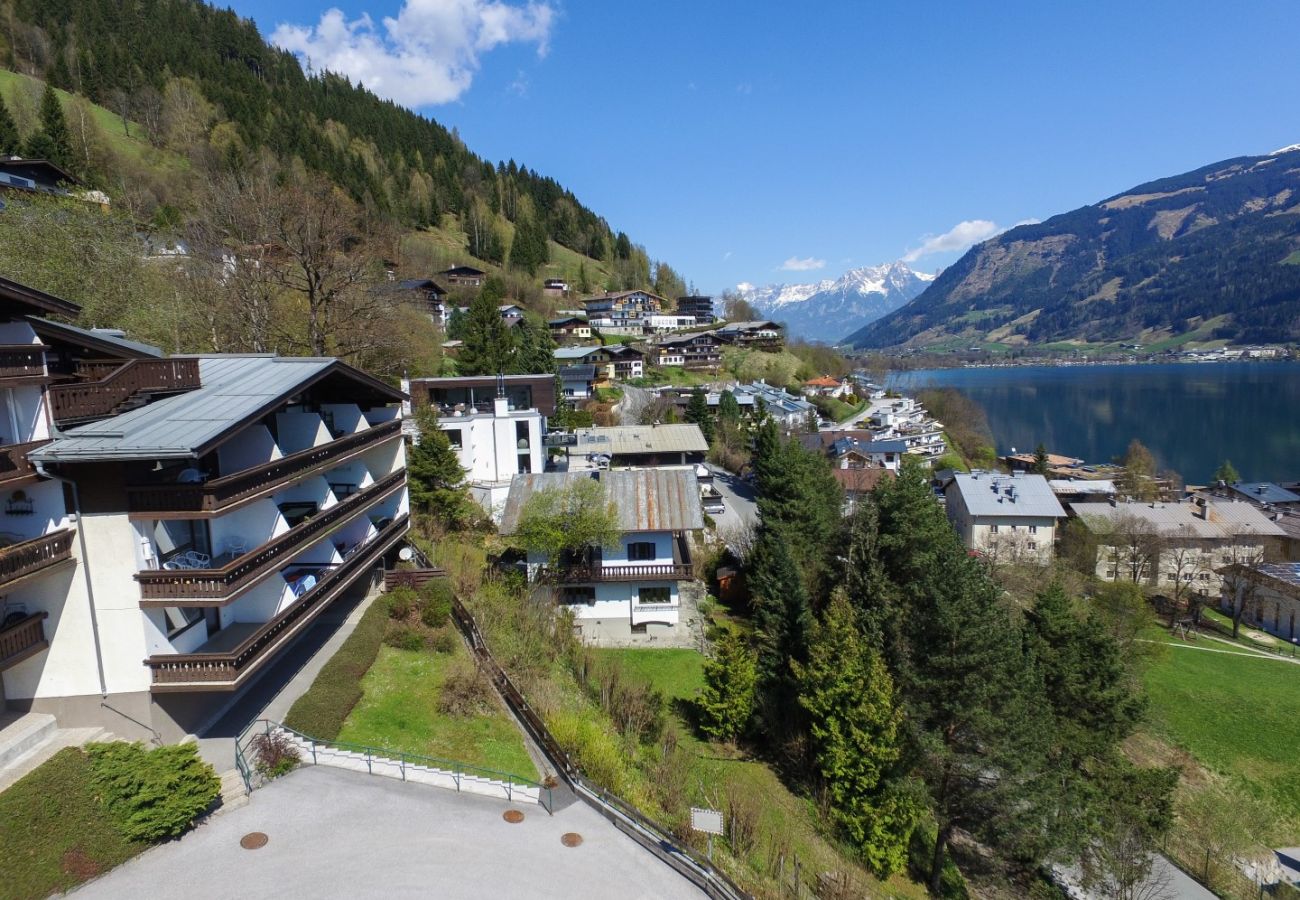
{"x":85,"y":571}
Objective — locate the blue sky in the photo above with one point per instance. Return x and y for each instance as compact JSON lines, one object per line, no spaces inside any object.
{"x":763,"y":141}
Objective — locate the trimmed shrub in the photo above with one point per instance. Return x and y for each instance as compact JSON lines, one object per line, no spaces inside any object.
{"x":153,"y":794}
{"x":435,"y":603}
{"x":321,"y":711}
{"x":401,"y":600}
{"x":465,"y":691}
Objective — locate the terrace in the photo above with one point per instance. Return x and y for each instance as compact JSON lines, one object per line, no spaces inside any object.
{"x":591,"y":567}
{"x":112,"y":387}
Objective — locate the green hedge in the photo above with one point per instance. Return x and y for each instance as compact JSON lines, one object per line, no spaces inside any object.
{"x":321,"y":711}
{"x":153,"y":794}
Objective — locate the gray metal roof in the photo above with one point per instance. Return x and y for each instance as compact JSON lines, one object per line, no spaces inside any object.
{"x":1221,"y":520}
{"x":235,"y":390}
{"x":93,"y":335}
{"x":577,"y":373}
{"x":645,"y":499}
{"x":635,"y":439}
{"x":1287,"y":573}
{"x":1264,"y":492}
{"x":995,"y":494}
{"x":575,"y":352}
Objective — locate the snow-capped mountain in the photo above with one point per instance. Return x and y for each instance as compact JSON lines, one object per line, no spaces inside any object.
{"x":830,"y":309}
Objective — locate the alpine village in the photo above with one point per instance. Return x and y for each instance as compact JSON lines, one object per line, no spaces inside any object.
{"x":379,"y":521}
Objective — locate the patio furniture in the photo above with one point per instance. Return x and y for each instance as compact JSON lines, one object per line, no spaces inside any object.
{"x":235,"y":547}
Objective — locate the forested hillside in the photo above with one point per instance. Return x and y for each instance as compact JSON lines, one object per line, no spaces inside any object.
{"x":1210,"y":255}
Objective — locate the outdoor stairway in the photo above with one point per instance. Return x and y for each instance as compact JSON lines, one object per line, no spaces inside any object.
{"x":233,"y":792}
{"x":30,"y":739}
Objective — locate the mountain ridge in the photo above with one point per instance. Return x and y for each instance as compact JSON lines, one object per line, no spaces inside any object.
{"x":1208,"y":255}
{"x":828,"y":309}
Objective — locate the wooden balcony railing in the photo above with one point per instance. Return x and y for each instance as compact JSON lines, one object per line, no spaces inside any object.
{"x":228,"y":490}
{"x":24,"y":638}
{"x":225,"y":671}
{"x":85,"y":400}
{"x":22,"y":360}
{"x":223,"y":583}
{"x":14,"y":465}
{"x":29,"y":557}
{"x":633,"y":572}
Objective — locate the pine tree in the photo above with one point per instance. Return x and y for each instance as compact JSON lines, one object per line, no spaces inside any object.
{"x":782,"y":618}
{"x":54,"y":127}
{"x":697,"y":412}
{"x":1226,"y":472}
{"x":1040,"y":460}
{"x":536,"y":353}
{"x":10,"y":143}
{"x":726,"y":702}
{"x":798,"y":495}
{"x":434,"y":474}
{"x":728,"y":408}
{"x":857,"y":734}
{"x":489,"y":347}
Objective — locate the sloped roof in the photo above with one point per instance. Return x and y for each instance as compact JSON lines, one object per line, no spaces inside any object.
{"x":859,"y":481}
{"x":94,"y":339}
{"x":1264,"y":492}
{"x":995,"y":494}
{"x":26,"y":300}
{"x":575,"y":352}
{"x":577,"y":373}
{"x":1222,"y":520}
{"x":645,"y":499}
{"x":235,"y":391}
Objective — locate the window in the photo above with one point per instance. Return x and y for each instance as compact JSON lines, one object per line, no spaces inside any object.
{"x":580,"y":594}
{"x":993,"y":529}
{"x":654,"y":595}
{"x":640,"y":551}
{"x":1033,"y":546}
{"x":180,"y":618}
{"x":1033,"y":529}
{"x":456,"y":436}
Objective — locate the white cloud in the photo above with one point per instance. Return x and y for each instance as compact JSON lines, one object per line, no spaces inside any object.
{"x":805,"y":264}
{"x":427,"y":54}
{"x":959,"y":237}
{"x":744,"y":286}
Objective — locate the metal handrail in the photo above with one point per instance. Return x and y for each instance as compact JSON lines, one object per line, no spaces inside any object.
{"x":455,"y":767}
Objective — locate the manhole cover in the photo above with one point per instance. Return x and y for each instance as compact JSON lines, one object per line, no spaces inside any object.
{"x":571,"y":839}
{"x":253,"y":840}
{"x":513,"y":816}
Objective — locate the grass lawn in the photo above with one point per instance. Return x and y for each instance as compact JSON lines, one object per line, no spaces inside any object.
{"x":399,"y":712}
{"x":55,"y":832}
{"x":1238,"y":715}
{"x":679,"y":674}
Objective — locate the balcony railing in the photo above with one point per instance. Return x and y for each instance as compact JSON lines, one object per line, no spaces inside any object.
{"x":14,"y":465}
{"x":228,"y":490}
{"x":579,"y":574}
{"x":239,"y":573}
{"x":22,"y":360}
{"x":225,"y":671}
{"x":22,"y":639}
{"x":29,"y":557}
{"x":85,"y":400}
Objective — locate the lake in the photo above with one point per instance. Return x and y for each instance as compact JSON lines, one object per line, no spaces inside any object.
{"x":1191,"y":415}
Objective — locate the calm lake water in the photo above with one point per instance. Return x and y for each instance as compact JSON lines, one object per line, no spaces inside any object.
{"x":1192,"y":416}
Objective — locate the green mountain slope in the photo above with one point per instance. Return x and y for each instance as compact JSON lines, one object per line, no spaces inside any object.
{"x":1210,"y":254}
{"x":201,"y":89}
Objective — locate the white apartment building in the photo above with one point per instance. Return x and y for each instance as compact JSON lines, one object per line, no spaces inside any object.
{"x":495,"y":425}
{"x":1009,"y":518}
{"x":171,"y":552}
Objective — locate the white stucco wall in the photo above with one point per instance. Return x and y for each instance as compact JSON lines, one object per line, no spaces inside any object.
{"x":299,"y":430}
{"x":253,"y":446}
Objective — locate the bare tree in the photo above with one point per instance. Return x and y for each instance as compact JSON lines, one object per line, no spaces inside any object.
{"x":1131,"y":547}
{"x":1241,"y":555}
{"x":1183,"y":560}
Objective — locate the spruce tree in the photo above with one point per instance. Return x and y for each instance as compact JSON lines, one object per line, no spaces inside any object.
{"x":857,"y":733}
{"x":489,"y":347}
{"x":434,"y":474}
{"x":798,"y":495}
{"x":728,"y":408}
{"x":10,"y":142}
{"x":782,"y":618}
{"x":1040,"y":460}
{"x":697,"y":412}
{"x":1226,"y":472}
{"x":726,"y":702}
{"x":536,"y":353}
{"x":54,"y":127}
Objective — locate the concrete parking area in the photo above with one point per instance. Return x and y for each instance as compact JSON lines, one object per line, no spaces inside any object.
{"x":333,"y":833}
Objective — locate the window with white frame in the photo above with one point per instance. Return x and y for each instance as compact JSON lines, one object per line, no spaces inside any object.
{"x":654,"y":596}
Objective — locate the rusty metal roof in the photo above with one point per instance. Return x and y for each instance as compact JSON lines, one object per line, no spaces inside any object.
{"x":645,"y":499}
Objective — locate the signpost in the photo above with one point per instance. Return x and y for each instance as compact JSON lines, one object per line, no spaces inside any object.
{"x":709,"y":821}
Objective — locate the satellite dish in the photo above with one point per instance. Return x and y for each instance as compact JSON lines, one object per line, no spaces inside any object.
{"x":406,"y":554}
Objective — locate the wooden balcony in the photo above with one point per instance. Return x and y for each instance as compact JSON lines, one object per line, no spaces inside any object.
{"x":119,"y":385}
{"x":22,"y":360}
{"x":184,"y":500}
{"x":22,"y":639}
{"x":229,"y":670}
{"x":23,"y":560}
{"x":15,"y":469}
{"x":595,"y":569}
{"x":219,"y":586}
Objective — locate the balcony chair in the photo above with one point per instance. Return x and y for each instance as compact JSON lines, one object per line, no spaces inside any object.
{"x":235,"y":547}
{"x":195,"y":559}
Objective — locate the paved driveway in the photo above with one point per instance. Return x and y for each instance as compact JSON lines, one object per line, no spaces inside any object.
{"x":344,"y":834}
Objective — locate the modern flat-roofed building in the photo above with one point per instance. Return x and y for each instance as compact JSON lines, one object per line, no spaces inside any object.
{"x":632,"y":590}
{"x":644,"y":445}
{"x":700,"y":307}
{"x":495,"y":424}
